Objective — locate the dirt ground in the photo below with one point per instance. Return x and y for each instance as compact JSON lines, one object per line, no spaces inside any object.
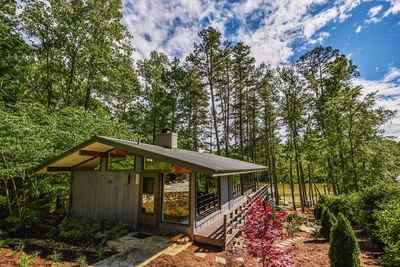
{"x":307,"y":252}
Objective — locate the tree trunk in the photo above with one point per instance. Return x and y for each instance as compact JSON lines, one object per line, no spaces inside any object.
{"x":291,"y":182}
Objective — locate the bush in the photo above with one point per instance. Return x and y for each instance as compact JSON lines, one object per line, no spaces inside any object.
{"x":349,"y":205}
{"x":85,"y":230}
{"x":344,"y":250}
{"x":327,"y":222}
{"x":371,"y":199}
{"x":79,"y":229}
{"x":388,"y":231}
{"x":332,"y":202}
{"x":318,"y":210}
{"x":294,"y":221}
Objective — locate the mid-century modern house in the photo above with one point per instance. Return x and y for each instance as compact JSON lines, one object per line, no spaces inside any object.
{"x":159,"y":186}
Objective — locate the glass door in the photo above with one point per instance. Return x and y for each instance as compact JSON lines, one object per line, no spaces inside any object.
{"x":149,"y":196}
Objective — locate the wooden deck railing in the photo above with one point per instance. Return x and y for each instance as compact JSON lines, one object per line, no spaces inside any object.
{"x":234,"y":218}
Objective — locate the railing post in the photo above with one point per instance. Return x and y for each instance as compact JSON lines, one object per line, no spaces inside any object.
{"x":225,"y":225}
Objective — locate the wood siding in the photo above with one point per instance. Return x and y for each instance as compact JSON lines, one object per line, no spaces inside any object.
{"x":105,"y":195}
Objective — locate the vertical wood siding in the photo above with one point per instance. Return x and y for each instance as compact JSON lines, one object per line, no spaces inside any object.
{"x":105,"y":195}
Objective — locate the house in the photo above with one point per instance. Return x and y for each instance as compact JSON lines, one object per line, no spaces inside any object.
{"x":158,"y":186}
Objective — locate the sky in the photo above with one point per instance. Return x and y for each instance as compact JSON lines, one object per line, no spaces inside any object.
{"x":279,"y":32}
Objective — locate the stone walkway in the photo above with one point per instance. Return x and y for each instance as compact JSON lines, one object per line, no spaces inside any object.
{"x":289,"y":241}
{"x":136,"y":251}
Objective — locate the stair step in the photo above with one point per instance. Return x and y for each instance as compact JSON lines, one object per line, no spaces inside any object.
{"x":44,"y":226}
{"x":56,"y":216}
{"x":49,"y":221}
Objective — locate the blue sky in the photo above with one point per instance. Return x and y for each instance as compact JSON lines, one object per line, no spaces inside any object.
{"x":279,"y":31}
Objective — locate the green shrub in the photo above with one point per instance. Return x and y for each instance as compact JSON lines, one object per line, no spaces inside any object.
{"x":344,"y":250}
{"x":332,"y":202}
{"x":388,"y":231}
{"x":81,"y":229}
{"x":349,"y":206}
{"x":371,"y":199}
{"x":318,"y":210}
{"x":327,"y":222}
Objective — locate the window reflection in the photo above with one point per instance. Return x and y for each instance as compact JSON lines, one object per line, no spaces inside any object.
{"x":237,"y":185}
{"x":148,"y":195}
{"x":121,"y":160}
{"x":176,"y":197}
{"x":152,"y":164}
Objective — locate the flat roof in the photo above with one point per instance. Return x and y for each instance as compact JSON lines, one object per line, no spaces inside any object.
{"x":197,"y":161}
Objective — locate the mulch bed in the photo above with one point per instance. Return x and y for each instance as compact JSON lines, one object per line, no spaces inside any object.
{"x":187,"y":258}
{"x":308,"y":251}
{"x":8,"y":258}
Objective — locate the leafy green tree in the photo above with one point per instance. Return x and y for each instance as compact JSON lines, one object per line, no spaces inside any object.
{"x":82,"y":53}
{"x":30,"y":136}
{"x":388,"y":231}
{"x":344,"y":250}
{"x":14,"y":56}
{"x":293,"y":104}
{"x":155,"y":93}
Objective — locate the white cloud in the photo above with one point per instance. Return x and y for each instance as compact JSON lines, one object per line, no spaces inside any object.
{"x":392,"y":74}
{"x":390,"y":97}
{"x":374,"y":10}
{"x":394,"y":8}
{"x":270,"y":27}
{"x":172,"y":26}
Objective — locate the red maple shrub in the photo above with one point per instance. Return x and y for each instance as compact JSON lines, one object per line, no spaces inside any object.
{"x":262,"y":231}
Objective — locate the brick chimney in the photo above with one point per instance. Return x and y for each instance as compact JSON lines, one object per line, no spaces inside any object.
{"x":166,"y":139}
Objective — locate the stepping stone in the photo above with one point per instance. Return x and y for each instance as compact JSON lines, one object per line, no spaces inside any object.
{"x":200,"y":254}
{"x":240,"y":259}
{"x":220,"y":260}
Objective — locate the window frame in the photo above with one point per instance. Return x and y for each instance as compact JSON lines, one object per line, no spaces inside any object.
{"x":160,"y":170}
{"x":163,"y":174}
{"x":108,"y":163}
{"x":237,"y":195}
{"x":214,"y":210}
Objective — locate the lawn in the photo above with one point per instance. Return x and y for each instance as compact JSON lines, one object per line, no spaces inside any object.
{"x":286,"y":194}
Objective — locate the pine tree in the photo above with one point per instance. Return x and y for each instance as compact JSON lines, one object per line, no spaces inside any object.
{"x":206,"y":58}
{"x":344,"y":250}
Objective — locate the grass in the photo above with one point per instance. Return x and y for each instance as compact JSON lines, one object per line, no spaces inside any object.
{"x":286,"y":199}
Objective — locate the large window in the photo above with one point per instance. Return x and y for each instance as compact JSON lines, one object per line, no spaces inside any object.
{"x":207,"y":195}
{"x":120,"y":160}
{"x":237,"y":185}
{"x":248,"y":181}
{"x":176,"y":197}
{"x":152,"y":164}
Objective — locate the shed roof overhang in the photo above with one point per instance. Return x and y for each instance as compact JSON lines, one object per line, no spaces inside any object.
{"x":200,"y":162}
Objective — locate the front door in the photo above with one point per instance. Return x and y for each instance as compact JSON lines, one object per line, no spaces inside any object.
{"x":149,"y":192}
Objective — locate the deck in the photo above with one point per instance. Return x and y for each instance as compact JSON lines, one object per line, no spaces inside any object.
{"x":221,"y":231}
